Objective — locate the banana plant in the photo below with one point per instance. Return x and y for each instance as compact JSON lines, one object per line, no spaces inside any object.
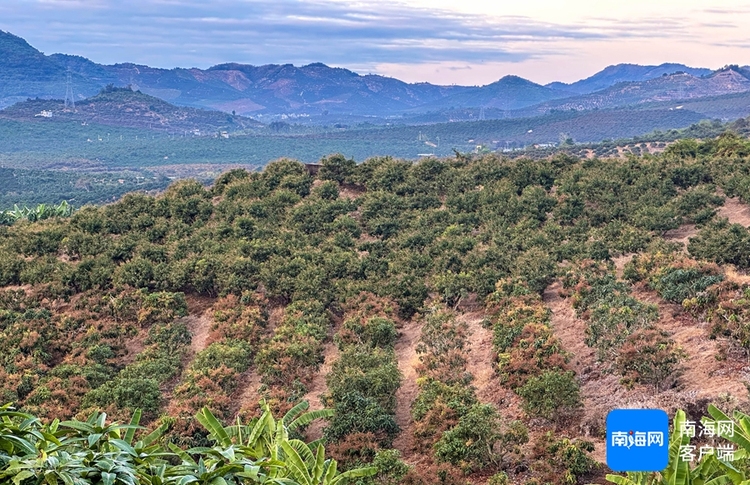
{"x":14,"y":437}
{"x":33,"y":214}
{"x":262,"y":436}
{"x":268,"y":439}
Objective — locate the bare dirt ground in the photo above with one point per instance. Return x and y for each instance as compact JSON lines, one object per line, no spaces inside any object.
{"x":200,"y":327}
{"x":198,"y":321}
{"x":481,"y":359}
{"x":135,"y":346}
{"x":620,"y":262}
{"x":733,"y":274}
{"x":250,"y":381}
{"x":249,"y":397}
{"x":735,"y":211}
{"x":601,"y":391}
{"x":406,"y":354}
{"x":597,"y":388}
{"x":682,"y":234}
{"x":318,"y":388}
{"x":703,"y":374}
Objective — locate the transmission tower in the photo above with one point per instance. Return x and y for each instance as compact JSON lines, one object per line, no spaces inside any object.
{"x":70,"y":102}
{"x":481,"y":113}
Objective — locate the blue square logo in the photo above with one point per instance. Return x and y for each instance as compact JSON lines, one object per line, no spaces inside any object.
{"x":637,"y":440}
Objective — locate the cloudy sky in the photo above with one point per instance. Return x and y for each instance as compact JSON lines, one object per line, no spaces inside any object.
{"x":467,"y":42}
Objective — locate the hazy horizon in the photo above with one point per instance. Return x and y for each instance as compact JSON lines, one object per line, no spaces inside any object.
{"x":438,"y":41}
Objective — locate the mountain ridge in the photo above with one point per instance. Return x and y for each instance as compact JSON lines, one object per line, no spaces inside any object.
{"x":323,"y":93}
{"x":617,"y":73}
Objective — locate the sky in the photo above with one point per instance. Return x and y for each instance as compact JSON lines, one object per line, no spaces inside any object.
{"x":467,"y":42}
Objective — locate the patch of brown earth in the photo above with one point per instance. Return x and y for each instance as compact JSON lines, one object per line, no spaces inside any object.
{"x":350,"y":191}
{"x":406,"y":355}
{"x":134,"y":346}
{"x":249,"y":396}
{"x":480,"y":360}
{"x":620,"y":262}
{"x":600,"y":391}
{"x":703,"y":373}
{"x":250,"y":381}
{"x":733,"y":274}
{"x":681,"y":235}
{"x":199,"y":327}
{"x":318,"y":388}
{"x":735,"y":211}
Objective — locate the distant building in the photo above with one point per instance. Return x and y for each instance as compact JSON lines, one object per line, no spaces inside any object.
{"x":313,"y":168}
{"x":44,"y":114}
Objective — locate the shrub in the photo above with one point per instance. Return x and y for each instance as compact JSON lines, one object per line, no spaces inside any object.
{"x":337,"y":168}
{"x":562,"y":461}
{"x":649,"y":357}
{"x":722,"y":243}
{"x":391,"y":470}
{"x":677,"y":284}
{"x":371,"y":372}
{"x":356,"y":413}
{"x":477,"y":441}
{"x":553,"y":395}
{"x":128,"y":394}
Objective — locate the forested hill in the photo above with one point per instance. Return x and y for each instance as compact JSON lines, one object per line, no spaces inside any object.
{"x":125,"y":108}
{"x":477,"y":314}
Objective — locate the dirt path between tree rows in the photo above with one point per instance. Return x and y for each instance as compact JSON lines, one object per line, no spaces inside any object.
{"x":200,"y":327}
{"x":703,"y":375}
{"x":406,"y":355}
{"x":600,"y":392}
{"x":318,"y":388}
{"x":481,"y":359}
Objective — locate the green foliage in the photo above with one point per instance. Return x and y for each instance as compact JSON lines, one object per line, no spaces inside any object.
{"x":459,"y":232}
{"x":477,"y":441}
{"x":33,"y":214}
{"x":678,"y":284}
{"x":611,"y":312}
{"x":337,"y":168}
{"x":96,"y":452}
{"x":362,"y":383}
{"x":722,"y":242}
{"x":354,"y":412}
{"x":551,"y":395}
{"x":563,"y":461}
{"x":390,"y":467}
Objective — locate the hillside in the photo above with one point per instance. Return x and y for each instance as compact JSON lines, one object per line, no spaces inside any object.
{"x":405,"y":297}
{"x":611,"y":75}
{"x":673,"y":87}
{"x":123,"y":107}
{"x":509,"y":93}
{"x":25,"y":72}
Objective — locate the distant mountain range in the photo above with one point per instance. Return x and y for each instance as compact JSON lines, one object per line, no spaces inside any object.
{"x":317,"y":90}
{"x":620,"y":73}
